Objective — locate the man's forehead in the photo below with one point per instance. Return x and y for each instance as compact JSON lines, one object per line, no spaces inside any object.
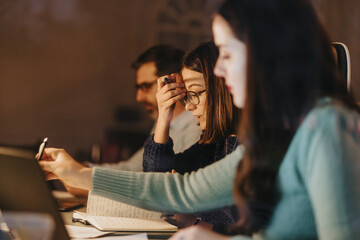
{"x":146,"y":73}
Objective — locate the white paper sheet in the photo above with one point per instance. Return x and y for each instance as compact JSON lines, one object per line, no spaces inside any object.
{"x":130,"y":224}
{"x":101,"y":206}
{"x":126,"y":224}
{"x":84,"y":232}
{"x":141,"y":236}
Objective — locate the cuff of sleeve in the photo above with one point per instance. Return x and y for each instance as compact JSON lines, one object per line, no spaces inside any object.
{"x":151,"y":143}
{"x":154,"y":154}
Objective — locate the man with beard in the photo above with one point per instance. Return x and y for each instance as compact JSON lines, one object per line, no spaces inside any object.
{"x":153,"y":63}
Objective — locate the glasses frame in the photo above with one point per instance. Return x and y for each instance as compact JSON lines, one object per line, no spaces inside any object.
{"x":145,"y":87}
{"x":192,"y":97}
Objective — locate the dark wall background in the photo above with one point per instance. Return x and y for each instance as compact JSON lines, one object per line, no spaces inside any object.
{"x":65,"y":64}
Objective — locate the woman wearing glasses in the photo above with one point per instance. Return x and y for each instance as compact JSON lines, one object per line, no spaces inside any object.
{"x":299,"y":127}
{"x":209,"y":100}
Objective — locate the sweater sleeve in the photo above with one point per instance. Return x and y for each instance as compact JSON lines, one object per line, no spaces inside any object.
{"x":157,"y":157}
{"x":332,"y":174}
{"x":239,"y":237}
{"x":199,"y":191}
{"x":161,"y":157}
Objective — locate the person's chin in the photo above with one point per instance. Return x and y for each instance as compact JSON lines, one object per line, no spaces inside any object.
{"x":239,"y":102}
{"x":153,"y":114}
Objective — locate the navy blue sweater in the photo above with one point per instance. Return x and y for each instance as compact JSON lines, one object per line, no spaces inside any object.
{"x":161,"y":158}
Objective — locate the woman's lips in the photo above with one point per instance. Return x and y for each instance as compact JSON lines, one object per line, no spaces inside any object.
{"x":229,"y":88}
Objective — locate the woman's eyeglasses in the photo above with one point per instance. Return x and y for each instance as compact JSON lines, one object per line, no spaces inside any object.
{"x":192,"y":97}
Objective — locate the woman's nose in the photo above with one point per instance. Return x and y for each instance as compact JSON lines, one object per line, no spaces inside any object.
{"x":189,"y":106}
{"x":219,"y":69}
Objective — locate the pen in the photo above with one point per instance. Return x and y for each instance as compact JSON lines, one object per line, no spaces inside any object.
{"x":41,"y":148}
{"x":83,"y":221}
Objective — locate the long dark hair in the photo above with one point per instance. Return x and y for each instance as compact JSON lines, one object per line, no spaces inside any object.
{"x":290,"y":65}
{"x":222,"y":116}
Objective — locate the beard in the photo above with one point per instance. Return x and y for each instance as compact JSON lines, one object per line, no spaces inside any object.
{"x":152,"y":110}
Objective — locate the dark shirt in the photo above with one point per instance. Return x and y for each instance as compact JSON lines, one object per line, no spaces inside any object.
{"x":161,"y":158}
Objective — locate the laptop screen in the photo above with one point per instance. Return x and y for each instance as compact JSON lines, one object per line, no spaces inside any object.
{"x":23,"y":188}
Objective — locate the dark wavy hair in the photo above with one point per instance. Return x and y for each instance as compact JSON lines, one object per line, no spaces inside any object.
{"x":290,"y":65}
{"x":222,"y":116}
{"x":167,"y":59}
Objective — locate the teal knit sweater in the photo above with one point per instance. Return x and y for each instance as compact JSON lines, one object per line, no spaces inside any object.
{"x":318,"y":178}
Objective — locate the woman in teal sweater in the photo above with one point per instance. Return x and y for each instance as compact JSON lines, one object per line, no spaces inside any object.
{"x":301,"y":135}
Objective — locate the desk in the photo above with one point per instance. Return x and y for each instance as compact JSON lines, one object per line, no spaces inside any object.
{"x":67,"y":216}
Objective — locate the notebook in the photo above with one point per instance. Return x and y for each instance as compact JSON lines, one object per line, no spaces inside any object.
{"x":126,"y":224}
{"x":23,"y":187}
{"x":109,"y":215}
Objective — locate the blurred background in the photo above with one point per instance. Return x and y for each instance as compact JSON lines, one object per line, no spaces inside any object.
{"x":65,"y":66}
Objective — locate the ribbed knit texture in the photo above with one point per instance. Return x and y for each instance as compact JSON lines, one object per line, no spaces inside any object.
{"x":318,"y":178}
{"x":171,"y":193}
{"x":161,"y":158}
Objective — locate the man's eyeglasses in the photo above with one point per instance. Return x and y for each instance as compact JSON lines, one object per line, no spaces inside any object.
{"x":145,"y":86}
{"x":192,"y":97}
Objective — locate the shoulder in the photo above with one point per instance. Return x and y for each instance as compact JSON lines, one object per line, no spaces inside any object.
{"x":331,"y":114}
{"x":329,"y":127}
{"x":329,"y":136}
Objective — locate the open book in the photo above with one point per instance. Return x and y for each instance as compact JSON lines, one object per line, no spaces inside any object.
{"x":109,"y":215}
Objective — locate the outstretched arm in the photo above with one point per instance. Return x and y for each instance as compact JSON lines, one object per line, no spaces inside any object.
{"x":203,"y":190}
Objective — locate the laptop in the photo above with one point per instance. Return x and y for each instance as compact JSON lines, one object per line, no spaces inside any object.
{"x":23,"y":187}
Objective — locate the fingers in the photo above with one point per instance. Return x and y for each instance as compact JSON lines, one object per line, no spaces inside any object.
{"x":50,"y":176}
{"x":44,"y":157}
{"x":170,"y":101}
{"x":178,"y":77}
{"x":50,"y":154}
{"x":172,"y":81}
{"x":162,"y":87}
{"x":165,"y":80}
{"x":47,"y":166}
{"x":172,"y":93}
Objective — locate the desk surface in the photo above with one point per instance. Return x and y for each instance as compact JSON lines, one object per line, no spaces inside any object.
{"x":67,"y":216}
